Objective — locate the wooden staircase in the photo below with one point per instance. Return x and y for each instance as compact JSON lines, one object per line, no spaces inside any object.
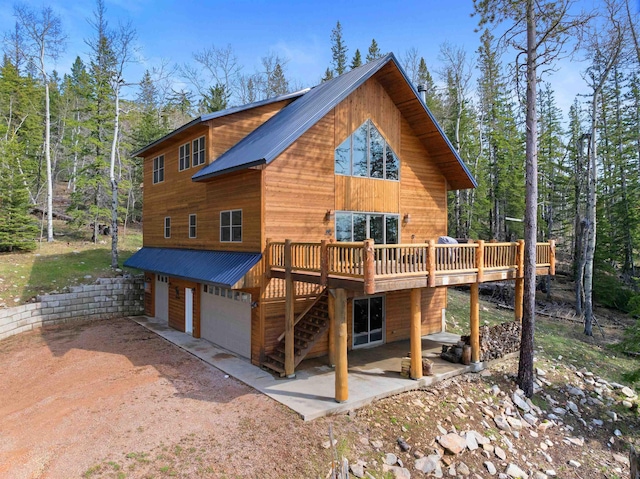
{"x":309,"y":328}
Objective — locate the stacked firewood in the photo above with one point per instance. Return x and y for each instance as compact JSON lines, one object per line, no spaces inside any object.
{"x":495,"y":342}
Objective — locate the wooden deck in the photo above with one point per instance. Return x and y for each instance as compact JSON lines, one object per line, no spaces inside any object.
{"x":374,"y":268}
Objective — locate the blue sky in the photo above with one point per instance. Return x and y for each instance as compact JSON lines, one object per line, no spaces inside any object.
{"x":297,"y":30}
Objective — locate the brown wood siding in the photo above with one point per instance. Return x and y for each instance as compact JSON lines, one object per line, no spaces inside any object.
{"x":183,"y":197}
{"x":365,"y":194}
{"x":176,"y":304}
{"x":228,"y":130}
{"x":299,"y":187}
{"x":150,"y":294}
{"x":398,"y":312}
{"x":423,"y":193}
{"x":178,"y":196}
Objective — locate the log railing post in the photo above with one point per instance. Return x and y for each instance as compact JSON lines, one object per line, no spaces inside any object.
{"x":552,"y":257}
{"x":341,"y":370}
{"x":268,"y":259}
{"x":474,"y":320}
{"x":369,"y":267}
{"x":431,"y":264}
{"x":289,"y":314}
{"x":480,"y":261}
{"x":416,"y":334}
{"x":520,"y":259}
{"x":324,"y":262}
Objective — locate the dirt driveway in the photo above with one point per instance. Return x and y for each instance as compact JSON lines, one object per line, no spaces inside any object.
{"x":111,"y":399}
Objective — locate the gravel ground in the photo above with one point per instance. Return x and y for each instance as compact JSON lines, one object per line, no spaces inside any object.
{"x":111,"y":399}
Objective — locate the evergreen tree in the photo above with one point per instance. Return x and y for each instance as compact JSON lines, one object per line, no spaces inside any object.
{"x":338,"y":50}
{"x":277,"y":83}
{"x":328,"y":75}
{"x":216,"y":99}
{"x":356,"y":61}
{"x":374,"y":51}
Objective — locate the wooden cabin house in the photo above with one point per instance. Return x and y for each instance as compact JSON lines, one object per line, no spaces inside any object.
{"x":305,"y":225}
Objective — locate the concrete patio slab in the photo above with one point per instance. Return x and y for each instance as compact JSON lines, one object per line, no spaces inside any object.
{"x":373,"y":373}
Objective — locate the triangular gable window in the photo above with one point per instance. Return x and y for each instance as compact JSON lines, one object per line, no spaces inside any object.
{"x":366,"y":154}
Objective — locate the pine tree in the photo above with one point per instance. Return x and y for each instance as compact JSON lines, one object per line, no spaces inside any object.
{"x":277,"y":84}
{"x":338,"y":50}
{"x":216,"y":99}
{"x":356,"y":61}
{"x":328,"y":75}
{"x":374,"y":52}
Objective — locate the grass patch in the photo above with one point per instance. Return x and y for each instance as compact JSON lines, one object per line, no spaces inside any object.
{"x":552,"y":338}
{"x":68,"y":261}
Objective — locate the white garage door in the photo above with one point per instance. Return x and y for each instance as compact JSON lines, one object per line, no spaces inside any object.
{"x":225,"y":319}
{"x":162,"y":297}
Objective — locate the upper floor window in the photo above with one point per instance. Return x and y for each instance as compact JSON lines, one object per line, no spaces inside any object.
{"x":158,"y":169}
{"x":356,"y":226}
{"x":231,"y":226}
{"x":198,"y":151}
{"x":192,"y":226}
{"x":184,"y":156}
{"x":167,"y":227}
{"x":366,"y":154}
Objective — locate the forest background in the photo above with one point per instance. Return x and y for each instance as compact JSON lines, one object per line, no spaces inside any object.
{"x":80,"y":127}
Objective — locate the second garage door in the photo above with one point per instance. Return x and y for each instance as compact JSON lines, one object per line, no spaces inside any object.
{"x":225,"y":319}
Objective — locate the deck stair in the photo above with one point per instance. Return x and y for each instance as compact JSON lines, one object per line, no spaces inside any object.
{"x":310,"y":326}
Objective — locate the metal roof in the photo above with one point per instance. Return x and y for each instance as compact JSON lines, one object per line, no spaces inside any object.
{"x":218,"y":114}
{"x":266,"y":142}
{"x":223,"y":268}
{"x":271,"y":138}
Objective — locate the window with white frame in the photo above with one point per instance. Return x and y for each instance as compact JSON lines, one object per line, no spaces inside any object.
{"x":184,"y":157}
{"x":198,"y":151}
{"x":231,"y":226}
{"x":365,"y":153}
{"x":227,"y":293}
{"x":192,"y":226}
{"x":167,"y":227}
{"x":158,"y":169}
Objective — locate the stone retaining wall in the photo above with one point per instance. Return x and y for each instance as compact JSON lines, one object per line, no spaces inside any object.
{"x":108,"y":298}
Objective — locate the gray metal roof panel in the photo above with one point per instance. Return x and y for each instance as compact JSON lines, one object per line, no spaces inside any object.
{"x":221,"y":113}
{"x":224,"y":268}
{"x":271,"y":138}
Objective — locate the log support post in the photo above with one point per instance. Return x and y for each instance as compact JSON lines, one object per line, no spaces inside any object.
{"x":332,"y":329}
{"x":431,"y":264}
{"x":289,"y":314}
{"x":416,"y":334}
{"x":341,"y":371}
{"x":474,"y":320}
{"x":552,"y":257}
{"x":369,"y":267}
{"x":480,"y":261}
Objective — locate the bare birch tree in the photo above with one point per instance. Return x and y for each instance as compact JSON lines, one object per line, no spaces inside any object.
{"x":605,"y":44}
{"x":43,"y":40}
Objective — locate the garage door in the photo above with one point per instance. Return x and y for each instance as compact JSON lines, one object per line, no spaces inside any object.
{"x":225,"y":319}
{"x":162,"y":297}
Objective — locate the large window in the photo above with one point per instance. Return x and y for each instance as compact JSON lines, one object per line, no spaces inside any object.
{"x":366,"y":154}
{"x":198,"y":151}
{"x":192,"y":226}
{"x":368,"y":321}
{"x":231,"y":226}
{"x":158,"y":169}
{"x":167,"y":227}
{"x":184,"y":156}
{"x":356,"y":226}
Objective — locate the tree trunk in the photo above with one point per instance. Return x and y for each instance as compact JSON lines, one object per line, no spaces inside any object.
{"x":47,"y":156}
{"x":114,"y":181}
{"x":525,"y":365}
{"x":590,"y":247}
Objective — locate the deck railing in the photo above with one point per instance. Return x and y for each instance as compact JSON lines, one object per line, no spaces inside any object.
{"x":369,"y":261}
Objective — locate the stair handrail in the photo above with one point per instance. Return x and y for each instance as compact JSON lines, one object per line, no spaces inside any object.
{"x":305,"y":311}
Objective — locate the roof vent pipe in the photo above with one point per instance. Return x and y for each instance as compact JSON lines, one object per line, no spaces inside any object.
{"x":423,"y":93}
